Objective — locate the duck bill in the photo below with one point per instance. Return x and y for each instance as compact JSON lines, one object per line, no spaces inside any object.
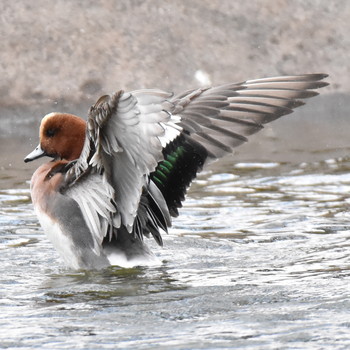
{"x":37,"y":153}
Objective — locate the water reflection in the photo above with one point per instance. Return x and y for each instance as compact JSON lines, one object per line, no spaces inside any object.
{"x":109,"y":286}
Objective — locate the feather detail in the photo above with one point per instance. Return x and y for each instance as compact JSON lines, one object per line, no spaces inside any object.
{"x":145,"y":147}
{"x":207,"y":113}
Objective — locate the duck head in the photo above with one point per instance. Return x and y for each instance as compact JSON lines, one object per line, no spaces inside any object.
{"x":61,"y":135}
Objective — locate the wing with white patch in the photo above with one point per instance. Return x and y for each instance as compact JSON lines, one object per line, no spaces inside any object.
{"x":125,"y":134}
{"x":215,"y":120}
{"x":131,"y":136}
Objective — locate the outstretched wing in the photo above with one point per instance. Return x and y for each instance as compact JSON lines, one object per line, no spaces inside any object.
{"x":215,"y":120}
{"x":147,"y":137}
{"x":220,"y":118}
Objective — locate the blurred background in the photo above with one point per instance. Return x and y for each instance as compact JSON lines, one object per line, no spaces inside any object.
{"x":62,"y":55}
{"x":259,"y":257}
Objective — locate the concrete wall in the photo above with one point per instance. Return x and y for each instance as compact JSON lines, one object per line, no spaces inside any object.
{"x":60,"y":51}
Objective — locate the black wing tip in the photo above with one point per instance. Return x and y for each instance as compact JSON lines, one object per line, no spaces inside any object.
{"x":312,"y":76}
{"x":296,"y":104}
{"x":316,"y":78}
{"x":307,"y":76}
{"x":320,"y":76}
{"x":320,"y":84}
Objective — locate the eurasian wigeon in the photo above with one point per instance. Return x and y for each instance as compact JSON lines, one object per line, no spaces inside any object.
{"x":122,"y":174}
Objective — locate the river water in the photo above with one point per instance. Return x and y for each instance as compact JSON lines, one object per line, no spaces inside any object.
{"x":257,"y":259}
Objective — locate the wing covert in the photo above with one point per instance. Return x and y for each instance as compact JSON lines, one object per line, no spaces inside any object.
{"x":125,"y":133}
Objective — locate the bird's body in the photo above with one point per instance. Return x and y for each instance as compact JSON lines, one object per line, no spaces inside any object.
{"x":121,"y":175}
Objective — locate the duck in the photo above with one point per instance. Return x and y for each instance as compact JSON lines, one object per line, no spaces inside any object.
{"x":123,"y":174}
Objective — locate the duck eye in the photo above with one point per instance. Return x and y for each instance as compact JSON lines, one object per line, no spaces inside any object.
{"x":50,"y":132}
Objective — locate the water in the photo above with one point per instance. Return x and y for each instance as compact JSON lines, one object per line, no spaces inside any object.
{"x":258,"y":259}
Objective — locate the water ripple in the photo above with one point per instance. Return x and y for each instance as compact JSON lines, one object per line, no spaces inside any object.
{"x":255,"y":258}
